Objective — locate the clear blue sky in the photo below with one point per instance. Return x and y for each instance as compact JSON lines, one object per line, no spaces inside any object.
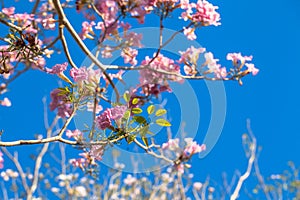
{"x":268,"y":30}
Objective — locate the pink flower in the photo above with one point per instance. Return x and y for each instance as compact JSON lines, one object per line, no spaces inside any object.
{"x":163,"y":63}
{"x":49,"y":22}
{"x":118,"y":112}
{"x":252,"y":69}
{"x":129,"y":55}
{"x":87,"y":29}
{"x":1,"y":160}
{"x":57,"y":69}
{"x":5,"y":102}
{"x":211,"y":62}
{"x":133,"y":39}
{"x":191,"y":55}
{"x":9,"y":11}
{"x":96,"y":152}
{"x":189,"y":33}
{"x":172,"y":144}
{"x":79,"y":74}
{"x":75,"y":134}
{"x":79,"y":162}
{"x":205,"y":13}
{"x":180,"y":168}
{"x":235,"y":57}
{"x":103,"y":121}
{"x":106,"y":52}
{"x":59,"y":102}
{"x":192,"y":147}
{"x":197,"y":186}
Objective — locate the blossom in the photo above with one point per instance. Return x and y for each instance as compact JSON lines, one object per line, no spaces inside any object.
{"x":79,"y":74}
{"x":118,"y":112}
{"x":96,"y":152}
{"x":9,"y":11}
{"x":76,"y":133}
{"x":251,"y":68}
{"x":129,"y":55}
{"x":201,"y":12}
{"x":172,"y":144}
{"x":129,"y":180}
{"x":103,"y":121}
{"x":235,"y":57}
{"x":159,"y":63}
{"x":80,"y":191}
{"x":211,"y":62}
{"x":133,"y":39}
{"x":57,"y":69}
{"x":5,"y":102}
{"x":197,"y":186}
{"x":49,"y":22}
{"x":59,"y":102}
{"x":106,"y":52}
{"x":191,"y":55}
{"x":87,"y":29}
{"x":180,"y":168}
{"x":189,"y":33}
{"x":192,"y":147}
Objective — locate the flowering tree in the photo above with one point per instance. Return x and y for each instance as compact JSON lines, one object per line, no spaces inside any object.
{"x":134,"y":117}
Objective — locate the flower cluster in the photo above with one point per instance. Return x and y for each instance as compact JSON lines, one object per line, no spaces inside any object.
{"x":202,"y":12}
{"x":182,"y":154}
{"x":151,"y":74}
{"x":60,"y":101}
{"x":104,"y":120}
{"x":239,"y":61}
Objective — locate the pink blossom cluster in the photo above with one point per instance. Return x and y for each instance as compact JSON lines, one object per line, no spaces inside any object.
{"x":57,"y":69}
{"x":129,"y":55}
{"x":104,"y":120}
{"x":88,"y":158}
{"x":162,"y":63}
{"x":61,"y":103}
{"x":155,"y":89}
{"x":79,"y":162}
{"x":5,"y":102}
{"x":239,"y":61}
{"x":213,"y":66}
{"x":96,"y":152}
{"x":183,"y":154}
{"x":88,"y":76}
{"x":190,"y":58}
{"x":87,"y":30}
{"x":202,"y":12}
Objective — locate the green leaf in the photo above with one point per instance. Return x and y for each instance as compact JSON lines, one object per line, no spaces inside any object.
{"x":126,"y":115}
{"x":145,"y":140}
{"x":160,"y":112}
{"x":130,"y":138}
{"x":144,"y":130}
{"x":137,"y":110}
{"x":135,"y":101}
{"x":126,"y":96}
{"x":150,"y":109}
{"x":140,"y":119}
{"x":162,"y":122}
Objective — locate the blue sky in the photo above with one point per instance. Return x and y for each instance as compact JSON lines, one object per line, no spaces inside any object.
{"x":268,"y":30}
